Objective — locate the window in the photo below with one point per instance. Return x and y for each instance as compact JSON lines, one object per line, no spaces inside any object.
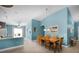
{"x":18,"y":32}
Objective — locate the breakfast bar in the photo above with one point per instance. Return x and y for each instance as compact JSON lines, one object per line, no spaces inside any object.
{"x":10,"y":42}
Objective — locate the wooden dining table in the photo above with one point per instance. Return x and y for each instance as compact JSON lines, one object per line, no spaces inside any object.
{"x":52,"y":40}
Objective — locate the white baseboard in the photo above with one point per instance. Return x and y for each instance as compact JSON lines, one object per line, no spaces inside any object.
{"x":11,"y":48}
{"x":65,"y":46}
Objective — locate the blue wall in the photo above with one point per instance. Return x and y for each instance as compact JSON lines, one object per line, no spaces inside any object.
{"x":59,"y":18}
{"x":76,"y":25}
{"x":9,"y":30}
{"x":70,"y":24}
{"x":36,"y":24}
{"x":30,"y":34}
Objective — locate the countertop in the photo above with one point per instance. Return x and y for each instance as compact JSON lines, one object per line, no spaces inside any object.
{"x":9,"y":38}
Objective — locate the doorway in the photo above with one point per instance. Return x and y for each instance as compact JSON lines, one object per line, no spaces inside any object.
{"x":42,"y":30}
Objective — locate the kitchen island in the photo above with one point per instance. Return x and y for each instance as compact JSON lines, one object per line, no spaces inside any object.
{"x":10,"y":43}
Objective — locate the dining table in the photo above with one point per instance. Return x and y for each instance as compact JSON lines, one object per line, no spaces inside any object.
{"x":51,"y":40}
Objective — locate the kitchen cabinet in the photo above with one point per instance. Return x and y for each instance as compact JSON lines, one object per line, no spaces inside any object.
{"x":2,"y":30}
{"x":2,"y":25}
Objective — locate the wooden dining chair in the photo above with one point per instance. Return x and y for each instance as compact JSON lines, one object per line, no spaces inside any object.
{"x":47,"y":41}
{"x":54,"y":44}
{"x":60,"y":44}
{"x":39,"y":39}
{"x":54,"y":41}
{"x":43,"y":41}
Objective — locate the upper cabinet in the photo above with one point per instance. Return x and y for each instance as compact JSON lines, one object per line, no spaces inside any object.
{"x":3,"y":31}
{"x":2,"y":25}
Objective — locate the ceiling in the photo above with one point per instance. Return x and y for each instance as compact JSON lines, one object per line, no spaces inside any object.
{"x":22,"y":14}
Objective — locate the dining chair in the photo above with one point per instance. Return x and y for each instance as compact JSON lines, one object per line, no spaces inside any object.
{"x":55,"y":43}
{"x":60,"y":44}
{"x":39,"y":39}
{"x":43,"y":41}
{"x":47,"y":41}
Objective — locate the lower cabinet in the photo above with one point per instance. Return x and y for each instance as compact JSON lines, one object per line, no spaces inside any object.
{"x":7,"y":43}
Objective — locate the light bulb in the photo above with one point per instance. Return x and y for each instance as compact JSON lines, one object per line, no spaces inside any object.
{"x":45,"y":30}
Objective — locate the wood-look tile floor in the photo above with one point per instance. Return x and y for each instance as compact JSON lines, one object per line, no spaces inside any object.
{"x":33,"y":47}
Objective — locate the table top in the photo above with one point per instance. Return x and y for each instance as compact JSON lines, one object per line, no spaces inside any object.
{"x":53,"y":39}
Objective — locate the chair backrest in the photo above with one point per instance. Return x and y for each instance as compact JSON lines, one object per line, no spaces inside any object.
{"x":47,"y":37}
{"x":61,"y":40}
{"x":39,"y":38}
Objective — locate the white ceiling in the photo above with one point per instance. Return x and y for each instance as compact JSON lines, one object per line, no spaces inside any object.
{"x":24,"y":13}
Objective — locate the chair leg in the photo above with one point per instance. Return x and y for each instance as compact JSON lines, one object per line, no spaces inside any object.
{"x":59,"y":49}
{"x":50,"y":46}
{"x":46,"y":45}
{"x":55,"y":50}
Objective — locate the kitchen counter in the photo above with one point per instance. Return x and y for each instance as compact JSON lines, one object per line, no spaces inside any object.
{"x":9,"y":38}
{"x":11,"y":42}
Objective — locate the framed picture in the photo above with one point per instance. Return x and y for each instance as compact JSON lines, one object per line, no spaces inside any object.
{"x":54,"y":28}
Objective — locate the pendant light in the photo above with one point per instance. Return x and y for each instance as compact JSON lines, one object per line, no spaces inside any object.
{"x":46,"y":11}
